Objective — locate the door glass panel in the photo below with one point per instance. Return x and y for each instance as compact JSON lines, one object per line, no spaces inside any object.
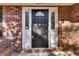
{"x":39,"y":13}
{"x":40,"y":28}
{"x":52,"y":20}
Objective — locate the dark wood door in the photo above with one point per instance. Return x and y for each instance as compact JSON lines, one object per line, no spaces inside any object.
{"x":40,"y":28}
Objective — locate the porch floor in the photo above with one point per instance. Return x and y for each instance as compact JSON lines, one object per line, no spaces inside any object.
{"x":43,"y":52}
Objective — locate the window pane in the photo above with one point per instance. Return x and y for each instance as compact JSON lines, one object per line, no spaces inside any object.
{"x":26,"y":20}
{"x":52,"y":20}
{"x":1,"y":22}
{"x":39,"y":13}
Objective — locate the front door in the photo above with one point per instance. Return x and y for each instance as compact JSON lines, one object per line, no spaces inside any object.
{"x":40,"y":28}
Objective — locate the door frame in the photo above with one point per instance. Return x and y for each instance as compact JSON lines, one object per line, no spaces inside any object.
{"x":29,"y":9}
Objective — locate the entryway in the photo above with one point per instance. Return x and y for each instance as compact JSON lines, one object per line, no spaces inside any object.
{"x":39,"y":27}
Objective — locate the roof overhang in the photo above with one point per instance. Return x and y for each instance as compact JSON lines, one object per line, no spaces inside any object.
{"x":36,"y":4}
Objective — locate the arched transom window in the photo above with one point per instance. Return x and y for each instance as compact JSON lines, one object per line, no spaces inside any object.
{"x":39,"y":13}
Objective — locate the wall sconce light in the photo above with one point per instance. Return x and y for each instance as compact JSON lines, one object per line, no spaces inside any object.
{"x":62,"y":20}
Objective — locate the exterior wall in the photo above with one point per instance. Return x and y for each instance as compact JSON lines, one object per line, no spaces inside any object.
{"x":12,"y":25}
{"x":12,"y":20}
{"x":74,"y":13}
{"x":68,"y":35}
{"x":63,"y":12}
{"x":70,"y":13}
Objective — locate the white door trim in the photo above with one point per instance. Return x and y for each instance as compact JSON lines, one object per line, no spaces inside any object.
{"x":28,"y":9}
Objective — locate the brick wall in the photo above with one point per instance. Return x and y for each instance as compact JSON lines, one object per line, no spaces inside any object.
{"x":70,"y":13}
{"x":63,"y":12}
{"x":12,"y":18}
{"x":68,"y":34}
{"x":74,"y":13}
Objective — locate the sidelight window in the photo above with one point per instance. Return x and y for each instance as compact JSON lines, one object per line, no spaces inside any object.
{"x":52,"y":20}
{"x":1,"y":22}
{"x":26,"y":20}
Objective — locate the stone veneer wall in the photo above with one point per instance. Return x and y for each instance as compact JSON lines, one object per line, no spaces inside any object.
{"x":69,"y":35}
{"x":12,"y":25}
